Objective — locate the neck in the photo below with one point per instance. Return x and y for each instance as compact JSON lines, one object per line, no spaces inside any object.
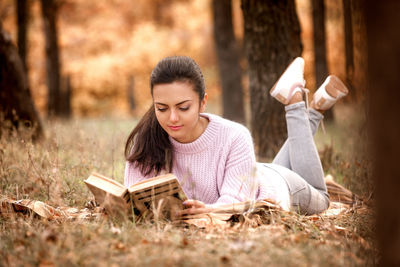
{"x":198,"y":130}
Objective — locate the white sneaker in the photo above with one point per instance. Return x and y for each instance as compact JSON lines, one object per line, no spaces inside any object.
{"x":329,"y":92}
{"x":290,"y":82}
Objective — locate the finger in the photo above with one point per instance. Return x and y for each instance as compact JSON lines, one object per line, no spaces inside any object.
{"x":193,"y":203}
{"x":193,"y":211}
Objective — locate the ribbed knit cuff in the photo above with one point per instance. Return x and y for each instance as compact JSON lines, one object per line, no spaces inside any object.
{"x":314,"y":114}
{"x":298,"y":105}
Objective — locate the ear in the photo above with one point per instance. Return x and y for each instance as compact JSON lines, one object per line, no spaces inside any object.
{"x":203,"y":103}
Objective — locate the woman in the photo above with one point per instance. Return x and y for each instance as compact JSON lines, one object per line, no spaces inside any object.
{"x":213,"y":158}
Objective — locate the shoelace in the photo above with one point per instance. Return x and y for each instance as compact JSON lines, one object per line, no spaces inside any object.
{"x":306,"y":91}
{"x":323,"y":126}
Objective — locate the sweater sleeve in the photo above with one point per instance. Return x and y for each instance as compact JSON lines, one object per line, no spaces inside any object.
{"x":132,"y":174}
{"x":239,"y":181}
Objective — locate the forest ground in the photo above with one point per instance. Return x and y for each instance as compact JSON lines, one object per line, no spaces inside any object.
{"x":54,"y":169}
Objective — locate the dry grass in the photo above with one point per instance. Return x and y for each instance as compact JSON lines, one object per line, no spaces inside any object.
{"x":53,"y":171}
{"x":344,"y":150}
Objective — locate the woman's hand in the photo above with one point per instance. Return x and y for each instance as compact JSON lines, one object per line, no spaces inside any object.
{"x":192,"y":207}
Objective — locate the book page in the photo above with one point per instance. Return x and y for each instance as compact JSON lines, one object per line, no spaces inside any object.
{"x":106,"y":184}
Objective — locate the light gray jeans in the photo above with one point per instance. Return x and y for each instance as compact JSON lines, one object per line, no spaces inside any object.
{"x":298,"y":161}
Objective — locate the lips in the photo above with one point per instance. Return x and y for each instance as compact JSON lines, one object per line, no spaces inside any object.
{"x":175,"y":128}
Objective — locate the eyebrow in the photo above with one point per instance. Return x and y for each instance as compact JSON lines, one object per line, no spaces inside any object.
{"x":162,"y":104}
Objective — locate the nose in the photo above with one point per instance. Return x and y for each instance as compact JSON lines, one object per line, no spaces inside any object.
{"x":173,"y":116}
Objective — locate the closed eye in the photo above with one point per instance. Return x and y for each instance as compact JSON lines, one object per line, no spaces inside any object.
{"x":161,"y":109}
{"x":184,"y":108}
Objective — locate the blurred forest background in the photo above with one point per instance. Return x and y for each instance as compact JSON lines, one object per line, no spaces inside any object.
{"x":107,"y":48}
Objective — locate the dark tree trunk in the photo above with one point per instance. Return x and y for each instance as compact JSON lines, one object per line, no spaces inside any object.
{"x":359,"y":80}
{"x":66,"y":95}
{"x":131,"y":96}
{"x":272,"y":41}
{"x":348,"y":42}
{"x":320,"y":62}
{"x":22,"y":22}
{"x":49,"y":12}
{"x":321,"y":67}
{"x":16,"y":104}
{"x":228,"y":61}
{"x":383,"y":35}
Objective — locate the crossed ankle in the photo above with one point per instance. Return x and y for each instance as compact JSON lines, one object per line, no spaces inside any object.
{"x":296,"y":98}
{"x":314,"y":109}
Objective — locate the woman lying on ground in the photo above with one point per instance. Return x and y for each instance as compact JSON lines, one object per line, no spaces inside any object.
{"x":213,"y":158}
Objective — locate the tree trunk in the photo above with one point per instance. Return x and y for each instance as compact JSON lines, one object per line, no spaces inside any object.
{"x":22,"y":22}
{"x":228,"y":61}
{"x":49,"y":12}
{"x":16,"y":104}
{"x":320,"y":62}
{"x":359,"y":79}
{"x":130,"y":94}
{"x":383,"y":41}
{"x":348,"y":42}
{"x":66,"y":95}
{"x":272,"y":41}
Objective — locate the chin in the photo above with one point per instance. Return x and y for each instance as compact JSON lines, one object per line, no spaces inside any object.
{"x":178,"y":137}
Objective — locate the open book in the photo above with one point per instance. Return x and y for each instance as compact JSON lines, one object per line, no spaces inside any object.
{"x":158,"y":196}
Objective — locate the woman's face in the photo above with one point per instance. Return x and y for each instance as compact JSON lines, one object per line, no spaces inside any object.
{"x":177,"y":109}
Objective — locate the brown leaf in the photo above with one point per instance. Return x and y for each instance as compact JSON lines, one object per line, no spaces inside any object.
{"x":185,"y":241}
{"x":46,"y":263}
{"x":225,"y":259}
{"x":119,"y":246}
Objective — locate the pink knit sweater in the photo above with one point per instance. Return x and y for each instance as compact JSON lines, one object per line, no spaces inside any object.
{"x":219,"y":167}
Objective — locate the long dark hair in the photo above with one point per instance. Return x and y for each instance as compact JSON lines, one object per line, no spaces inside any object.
{"x":148,"y":145}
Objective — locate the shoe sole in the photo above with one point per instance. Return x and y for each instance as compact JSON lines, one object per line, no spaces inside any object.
{"x":335,"y":86}
{"x":280,"y":97}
